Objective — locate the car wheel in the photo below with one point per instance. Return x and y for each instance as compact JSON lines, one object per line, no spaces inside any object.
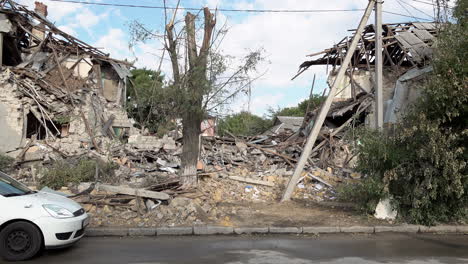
{"x":20,"y":241}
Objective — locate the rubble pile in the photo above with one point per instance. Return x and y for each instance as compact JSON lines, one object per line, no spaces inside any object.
{"x":63,"y":100}
{"x":233,"y":171}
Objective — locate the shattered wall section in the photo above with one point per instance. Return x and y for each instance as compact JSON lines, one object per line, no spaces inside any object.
{"x":11,"y":115}
{"x":406,"y":92}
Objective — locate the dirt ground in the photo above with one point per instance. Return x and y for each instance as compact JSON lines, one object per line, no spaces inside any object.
{"x":293,"y":213}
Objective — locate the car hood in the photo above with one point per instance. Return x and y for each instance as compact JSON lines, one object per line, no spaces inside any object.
{"x":41,"y":198}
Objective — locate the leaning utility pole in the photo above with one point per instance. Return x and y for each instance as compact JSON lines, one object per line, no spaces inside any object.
{"x":318,"y":122}
{"x":378,"y":65}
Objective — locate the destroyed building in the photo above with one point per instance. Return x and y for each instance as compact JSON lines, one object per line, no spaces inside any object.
{"x":407,"y":52}
{"x":56,"y":90}
{"x":284,"y":123}
{"x":63,"y":95}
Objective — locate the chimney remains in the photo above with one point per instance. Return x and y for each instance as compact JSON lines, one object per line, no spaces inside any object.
{"x":39,"y":30}
{"x":40,"y":8}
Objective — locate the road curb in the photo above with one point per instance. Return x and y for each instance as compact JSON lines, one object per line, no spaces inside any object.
{"x":357,"y":229}
{"x":223,"y":230}
{"x":107,"y":231}
{"x":398,"y":229}
{"x":284,"y":230}
{"x":213,"y":230}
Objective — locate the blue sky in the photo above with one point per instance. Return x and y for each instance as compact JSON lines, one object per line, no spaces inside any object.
{"x":286,"y":38}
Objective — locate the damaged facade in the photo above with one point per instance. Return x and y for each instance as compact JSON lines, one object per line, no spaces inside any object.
{"x":55,"y":90}
{"x":407,"y":54}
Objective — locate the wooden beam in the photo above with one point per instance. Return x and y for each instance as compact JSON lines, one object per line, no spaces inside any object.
{"x":252,"y":181}
{"x":1,"y":49}
{"x":326,"y":105}
{"x":378,"y":66}
{"x":132,"y":191}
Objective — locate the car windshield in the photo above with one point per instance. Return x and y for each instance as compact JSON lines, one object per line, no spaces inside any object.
{"x":10,"y":187}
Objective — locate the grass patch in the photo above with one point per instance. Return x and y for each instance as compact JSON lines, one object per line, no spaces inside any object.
{"x":62,"y":173}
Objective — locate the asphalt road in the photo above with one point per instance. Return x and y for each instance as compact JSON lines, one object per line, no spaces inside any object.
{"x":343,"y":249}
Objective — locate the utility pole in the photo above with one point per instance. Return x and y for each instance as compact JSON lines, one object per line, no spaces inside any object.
{"x":318,"y":122}
{"x":378,"y":66}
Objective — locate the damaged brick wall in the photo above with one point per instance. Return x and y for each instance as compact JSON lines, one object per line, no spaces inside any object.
{"x":11,"y":116}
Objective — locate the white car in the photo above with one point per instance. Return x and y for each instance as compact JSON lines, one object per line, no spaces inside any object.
{"x":31,"y":221}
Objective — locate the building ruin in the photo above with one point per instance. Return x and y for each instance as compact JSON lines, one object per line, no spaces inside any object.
{"x":407,"y":52}
{"x":56,"y":90}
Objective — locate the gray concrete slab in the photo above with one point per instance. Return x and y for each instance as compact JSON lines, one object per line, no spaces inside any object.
{"x":321,"y":230}
{"x":250,"y":230}
{"x":285,"y":230}
{"x":213,"y":230}
{"x":357,"y":229}
{"x":174,"y":231}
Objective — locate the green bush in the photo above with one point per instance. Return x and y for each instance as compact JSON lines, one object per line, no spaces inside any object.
{"x":420,"y":166}
{"x":366,"y":194}
{"x":5,"y":162}
{"x":422,"y":163}
{"x":71,"y":171}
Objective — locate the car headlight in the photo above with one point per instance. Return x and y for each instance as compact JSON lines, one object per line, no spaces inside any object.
{"x":57,"y":211}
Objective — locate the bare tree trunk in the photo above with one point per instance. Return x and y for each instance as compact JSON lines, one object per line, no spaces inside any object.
{"x":195,"y":90}
{"x":191,"y":140}
{"x":193,"y":85}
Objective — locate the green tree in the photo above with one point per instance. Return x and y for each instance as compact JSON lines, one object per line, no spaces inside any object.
{"x":243,"y":124}
{"x":299,"y":110}
{"x":147,"y":100}
{"x":203,"y":79}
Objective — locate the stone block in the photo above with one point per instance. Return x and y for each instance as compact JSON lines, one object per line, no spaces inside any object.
{"x":174,"y":231}
{"x":285,"y":230}
{"x":250,"y":230}
{"x":150,"y":231}
{"x":106,"y":231}
{"x":321,"y":229}
{"x":357,"y":229}
{"x":213,"y":230}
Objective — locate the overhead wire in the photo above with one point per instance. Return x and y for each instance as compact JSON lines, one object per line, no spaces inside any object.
{"x":218,"y":9}
{"x":230,"y":10}
{"x":407,"y":11}
{"x":432,"y":4}
{"x":415,"y":8}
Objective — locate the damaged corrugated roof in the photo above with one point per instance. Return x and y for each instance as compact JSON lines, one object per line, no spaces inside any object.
{"x":283,"y":123}
{"x":405,"y":44}
{"x":121,"y":70}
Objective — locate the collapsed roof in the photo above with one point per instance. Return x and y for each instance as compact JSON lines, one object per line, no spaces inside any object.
{"x":55,"y":86}
{"x":404,"y":44}
{"x":28,"y":30}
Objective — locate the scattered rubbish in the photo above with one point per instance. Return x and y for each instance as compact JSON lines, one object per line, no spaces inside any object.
{"x":385,"y":210}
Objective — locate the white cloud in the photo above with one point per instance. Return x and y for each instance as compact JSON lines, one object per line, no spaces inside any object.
{"x":149,"y":56}
{"x":57,"y":10}
{"x":86,"y":18}
{"x":114,"y":42}
{"x":68,"y":29}
{"x":258,"y":104}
